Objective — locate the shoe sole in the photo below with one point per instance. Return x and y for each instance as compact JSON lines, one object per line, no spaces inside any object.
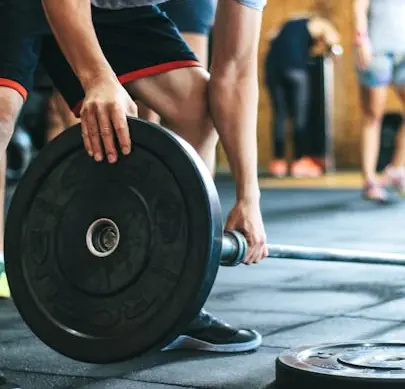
{"x":188,"y":343}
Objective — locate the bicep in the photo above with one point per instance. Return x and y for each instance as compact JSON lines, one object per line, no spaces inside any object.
{"x":235,"y":37}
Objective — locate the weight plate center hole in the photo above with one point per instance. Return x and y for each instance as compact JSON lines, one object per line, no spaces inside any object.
{"x":103,"y":237}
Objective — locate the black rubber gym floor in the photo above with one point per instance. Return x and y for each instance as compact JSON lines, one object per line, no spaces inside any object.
{"x":292,"y":303}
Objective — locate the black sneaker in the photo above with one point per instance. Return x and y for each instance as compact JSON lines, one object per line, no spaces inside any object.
{"x":208,"y":333}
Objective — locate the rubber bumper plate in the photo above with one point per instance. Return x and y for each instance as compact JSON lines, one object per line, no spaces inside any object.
{"x":108,"y":262}
{"x":343,"y":366}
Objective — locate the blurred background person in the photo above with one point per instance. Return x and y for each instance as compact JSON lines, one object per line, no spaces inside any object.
{"x":380,"y":60}
{"x":287,"y":82}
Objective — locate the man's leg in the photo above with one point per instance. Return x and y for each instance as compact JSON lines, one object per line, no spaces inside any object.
{"x":4,"y":288}
{"x":194,"y":19}
{"x":179,"y":98}
{"x":18,"y":60}
{"x":199,"y":45}
{"x":60,"y":116}
{"x":10,"y":106}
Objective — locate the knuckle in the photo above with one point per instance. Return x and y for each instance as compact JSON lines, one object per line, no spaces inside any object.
{"x":255,"y":239}
{"x":262,"y":240}
{"x":105,"y":131}
{"x":114,"y":106}
{"x":93,"y":134}
{"x":92,"y":107}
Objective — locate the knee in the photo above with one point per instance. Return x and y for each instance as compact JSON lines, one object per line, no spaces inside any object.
{"x":10,"y":106}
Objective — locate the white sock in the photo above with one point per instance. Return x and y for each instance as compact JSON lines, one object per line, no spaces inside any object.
{"x":1,"y":257}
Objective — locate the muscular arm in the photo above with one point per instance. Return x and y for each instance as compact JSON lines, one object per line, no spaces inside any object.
{"x":72,"y":25}
{"x":233,"y":91}
{"x":106,"y":103}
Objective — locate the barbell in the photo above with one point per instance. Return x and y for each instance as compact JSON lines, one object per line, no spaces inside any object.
{"x":109,"y":262}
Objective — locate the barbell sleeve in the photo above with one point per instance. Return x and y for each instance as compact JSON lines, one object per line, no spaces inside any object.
{"x":234,"y":247}
{"x":234,"y":250}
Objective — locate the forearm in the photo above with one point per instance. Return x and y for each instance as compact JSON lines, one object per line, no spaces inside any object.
{"x":71,"y":23}
{"x":233,"y":105}
{"x":233,"y":90}
{"x":360,"y":9}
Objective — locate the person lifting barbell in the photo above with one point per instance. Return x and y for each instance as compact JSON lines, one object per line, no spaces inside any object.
{"x":100,"y":69}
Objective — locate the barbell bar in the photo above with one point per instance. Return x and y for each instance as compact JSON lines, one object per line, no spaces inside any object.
{"x":234,"y":247}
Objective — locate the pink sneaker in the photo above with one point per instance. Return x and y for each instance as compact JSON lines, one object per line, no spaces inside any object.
{"x":374,"y":191}
{"x":395,"y":176}
{"x":278,"y":168}
{"x":305,"y":167}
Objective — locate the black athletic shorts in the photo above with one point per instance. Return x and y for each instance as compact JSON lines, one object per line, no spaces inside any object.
{"x":137,"y":42}
{"x":192,"y":16}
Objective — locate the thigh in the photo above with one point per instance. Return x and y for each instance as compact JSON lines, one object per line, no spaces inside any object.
{"x":138,"y":43}
{"x":176,"y":96}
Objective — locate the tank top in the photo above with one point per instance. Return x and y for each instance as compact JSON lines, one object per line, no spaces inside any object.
{"x":386,"y":25}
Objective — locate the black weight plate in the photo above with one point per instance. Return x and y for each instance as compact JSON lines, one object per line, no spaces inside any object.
{"x":140,"y":297}
{"x":348,"y":365}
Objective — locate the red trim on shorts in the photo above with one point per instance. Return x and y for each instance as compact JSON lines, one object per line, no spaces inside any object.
{"x":157,"y":69}
{"x":146,"y":72}
{"x":14,"y":85}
